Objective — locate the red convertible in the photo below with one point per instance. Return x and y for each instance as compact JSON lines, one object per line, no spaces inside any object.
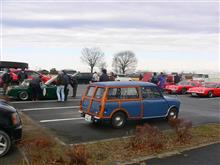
{"x":209,"y":89}
{"x":182,"y":87}
{"x":30,"y":73}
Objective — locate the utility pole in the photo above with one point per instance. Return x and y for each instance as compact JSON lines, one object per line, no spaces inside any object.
{"x":1,"y":31}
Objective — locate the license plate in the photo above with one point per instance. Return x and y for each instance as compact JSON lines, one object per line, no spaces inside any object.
{"x":88,"y":118}
{"x":194,"y":94}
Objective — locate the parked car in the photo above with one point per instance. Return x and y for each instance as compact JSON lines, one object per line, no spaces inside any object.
{"x":209,"y":89}
{"x":122,"y":77}
{"x":23,"y":92}
{"x":31,"y":74}
{"x":10,"y":127}
{"x":118,"y":102}
{"x":84,"y":78}
{"x":182,"y":87}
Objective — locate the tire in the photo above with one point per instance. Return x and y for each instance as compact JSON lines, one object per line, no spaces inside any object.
{"x":118,"y":120}
{"x":184,"y":90}
{"x":5,"y":143}
{"x":23,"y":96}
{"x":210,"y":94}
{"x":173,"y":114}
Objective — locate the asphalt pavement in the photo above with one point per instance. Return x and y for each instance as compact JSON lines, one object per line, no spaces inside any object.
{"x":208,"y":155}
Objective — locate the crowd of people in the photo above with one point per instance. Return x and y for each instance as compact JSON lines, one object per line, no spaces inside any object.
{"x":160,"y":79}
{"x":103,"y":77}
{"x":62,"y":82}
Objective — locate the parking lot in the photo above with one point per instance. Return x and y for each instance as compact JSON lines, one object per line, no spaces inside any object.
{"x":64,"y":121}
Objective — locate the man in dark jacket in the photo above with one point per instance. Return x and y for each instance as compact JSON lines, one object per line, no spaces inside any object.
{"x":22,"y":75}
{"x":7,"y":79}
{"x":104,"y":76}
{"x":35,"y":88}
{"x":74,"y":84}
{"x":66,"y":83}
{"x":154,"y":78}
{"x":177,"y":78}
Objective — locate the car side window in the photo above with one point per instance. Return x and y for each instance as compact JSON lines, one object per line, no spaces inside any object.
{"x":99,"y":93}
{"x":150,"y":93}
{"x":123,"y":93}
{"x":90,"y":91}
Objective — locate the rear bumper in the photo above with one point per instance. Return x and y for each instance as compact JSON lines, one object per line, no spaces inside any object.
{"x":94,"y":118}
{"x":16,"y":134}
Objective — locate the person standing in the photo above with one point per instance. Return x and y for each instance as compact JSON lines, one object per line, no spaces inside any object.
{"x":22,"y":75}
{"x":176,"y":78}
{"x":60,"y":86}
{"x":66,"y":83}
{"x":95,"y":77}
{"x":35,"y":87}
{"x":140,"y":77}
{"x":154,"y":78}
{"x":104,"y":76}
{"x":112,"y":77}
{"x":74,"y":84}
{"x":162,"y":81}
{"x":7,"y":79}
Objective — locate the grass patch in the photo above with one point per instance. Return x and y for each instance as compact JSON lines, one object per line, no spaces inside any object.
{"x":41,"y":148}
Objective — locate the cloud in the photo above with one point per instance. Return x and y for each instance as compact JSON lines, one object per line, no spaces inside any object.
{"x":183,"y":29}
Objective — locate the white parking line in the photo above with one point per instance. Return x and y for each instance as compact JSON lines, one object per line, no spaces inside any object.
{"x":48,"y":108}
{"x":55,"y":120}
{"x":41,"y":101}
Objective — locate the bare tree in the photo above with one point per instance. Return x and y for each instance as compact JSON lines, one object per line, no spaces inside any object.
{"x":92,"y":57}
{"x":124,"y":61}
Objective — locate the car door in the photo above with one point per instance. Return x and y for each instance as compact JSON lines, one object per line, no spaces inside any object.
{"x":153,"y":102}
{"x":131,"y":101}
{"x":217,"y":90}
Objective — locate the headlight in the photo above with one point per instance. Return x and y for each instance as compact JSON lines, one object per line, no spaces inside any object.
{"x":15,"y":119}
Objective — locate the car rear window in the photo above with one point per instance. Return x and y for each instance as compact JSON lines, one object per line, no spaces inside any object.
{"x":90,"y":91}
{"x":123,"y":93}
{"x":99,"y":93}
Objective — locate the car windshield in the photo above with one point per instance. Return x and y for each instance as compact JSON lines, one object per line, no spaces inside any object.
{"x":183,"y":83}
{"x":26,"y":82}
{"x":210,"y":85}
{"x":121,"y":75}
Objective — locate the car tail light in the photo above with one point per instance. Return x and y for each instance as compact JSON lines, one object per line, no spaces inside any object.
{"x":15,"y":119}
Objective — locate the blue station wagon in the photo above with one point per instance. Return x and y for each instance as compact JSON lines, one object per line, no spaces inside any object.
{"x":118,"y":102}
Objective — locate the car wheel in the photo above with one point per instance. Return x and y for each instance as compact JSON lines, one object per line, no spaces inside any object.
{"x":173,"y":114}
{"x":184,"y":91}
{"x":23,"y":96}
{"x":210,"y":94}
{"x":5,"y":143}
{"x":118,"y":120}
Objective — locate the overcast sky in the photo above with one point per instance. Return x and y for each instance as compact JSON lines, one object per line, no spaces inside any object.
{"x":164,"y":35}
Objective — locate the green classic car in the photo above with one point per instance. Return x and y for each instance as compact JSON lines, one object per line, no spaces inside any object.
{"x":23,"y":91}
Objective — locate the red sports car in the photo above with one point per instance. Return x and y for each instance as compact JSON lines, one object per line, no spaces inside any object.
{"x":31,"y":74}
{"x":182,"y":87}
{"x":209,"y":89}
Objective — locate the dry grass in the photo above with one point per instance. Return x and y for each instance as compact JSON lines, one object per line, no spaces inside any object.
{"x":41,"y":148}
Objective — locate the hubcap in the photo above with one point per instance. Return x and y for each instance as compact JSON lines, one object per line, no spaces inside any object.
{"x":118,"y":121}
{"x":3,"y":144}
{"x":172,"y":115}
{"x":23,"y":96}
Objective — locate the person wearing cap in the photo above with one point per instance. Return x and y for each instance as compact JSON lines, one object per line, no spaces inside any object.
{"x":104,"y":76}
